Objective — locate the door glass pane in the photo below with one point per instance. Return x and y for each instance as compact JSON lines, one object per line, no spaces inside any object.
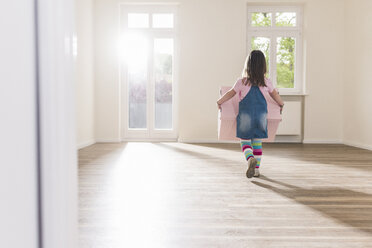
{"x":286,"y":19}
{"x":136,"y":20}
{"x":136,"y":59}
{"x":163,"y":66}
{"x":162,"y":20}
{"x":285,"y":66}
{"x":263,"y":44}
{"x":261,"y":19}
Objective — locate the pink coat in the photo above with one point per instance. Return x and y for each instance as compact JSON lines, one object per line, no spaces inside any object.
{"x":230,"y":109}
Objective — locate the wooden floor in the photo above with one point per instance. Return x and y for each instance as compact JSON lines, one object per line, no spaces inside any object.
{"x":172,"y":195}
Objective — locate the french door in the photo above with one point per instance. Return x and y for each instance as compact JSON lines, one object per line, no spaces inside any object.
{"x":148,"y":69}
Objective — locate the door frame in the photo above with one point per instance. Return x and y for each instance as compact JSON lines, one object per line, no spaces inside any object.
{"x":150,"y":133}
{"x":55,"y":52}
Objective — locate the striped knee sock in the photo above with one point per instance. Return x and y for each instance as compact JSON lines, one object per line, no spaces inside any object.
{"x":246,"y":148}
{"x":257,"y":150}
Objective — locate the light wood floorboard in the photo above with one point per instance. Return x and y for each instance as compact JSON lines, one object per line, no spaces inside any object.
{"x":174,"y":195}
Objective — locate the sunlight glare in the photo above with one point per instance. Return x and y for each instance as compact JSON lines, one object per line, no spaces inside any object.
{"x":141,"y":201}
{"x":134,"y":50}
{"x":163,"y":46}
{"x":138,"y":20}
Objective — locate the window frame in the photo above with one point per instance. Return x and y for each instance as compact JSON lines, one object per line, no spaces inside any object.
{"x":150,"y":133}
{"x":273,"y":32}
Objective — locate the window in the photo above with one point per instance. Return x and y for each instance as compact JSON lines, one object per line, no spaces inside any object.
{"x":148,"y":71}
{"x":162,"y":20}
{"x":276,"y":31}
{"x":138,"y":20}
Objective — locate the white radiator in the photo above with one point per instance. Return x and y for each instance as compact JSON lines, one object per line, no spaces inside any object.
{"x":292,"y":119}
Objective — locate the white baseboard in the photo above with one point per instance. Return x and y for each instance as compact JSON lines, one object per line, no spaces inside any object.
{"x":306,"y":141}
{"x":108,"y":141}
{"x":279,"y":139}
{"x":149,"y":140}
{"x":310,"y":141}
{"x":358,"y":145}
{"x":86,"y":143}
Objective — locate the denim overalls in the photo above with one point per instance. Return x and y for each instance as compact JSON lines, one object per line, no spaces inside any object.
{"x":251,"y":120}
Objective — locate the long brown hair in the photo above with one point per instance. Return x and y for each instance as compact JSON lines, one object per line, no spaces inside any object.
{"x":255,"y":69}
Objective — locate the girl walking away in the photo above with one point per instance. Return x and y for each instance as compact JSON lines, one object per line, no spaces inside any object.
{"x":251,"y":121}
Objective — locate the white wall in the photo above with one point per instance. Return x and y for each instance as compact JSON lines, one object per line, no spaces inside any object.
{"x":324,"y":56}
{"x":107,"y":116}
{"x":84,"y":73}
{"x":18,"y":195}
{"x":212,"y":52}
{"x":358,"y":80}
{"x":213,"y":48}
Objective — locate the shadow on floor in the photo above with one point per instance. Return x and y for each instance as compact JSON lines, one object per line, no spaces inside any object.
{"x":222,"y":146}
{"x":330,"y":154}
{"x":226,"y":164}
{"x":352,"y":208}
{"x":201,"y":155}
{"x":349,"y":207}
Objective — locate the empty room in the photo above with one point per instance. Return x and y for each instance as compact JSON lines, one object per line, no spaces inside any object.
{"x":186,"y":124}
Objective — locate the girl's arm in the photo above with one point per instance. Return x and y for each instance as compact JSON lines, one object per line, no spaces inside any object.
{"x":274,"y":94}
{"x":227,"y":96}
